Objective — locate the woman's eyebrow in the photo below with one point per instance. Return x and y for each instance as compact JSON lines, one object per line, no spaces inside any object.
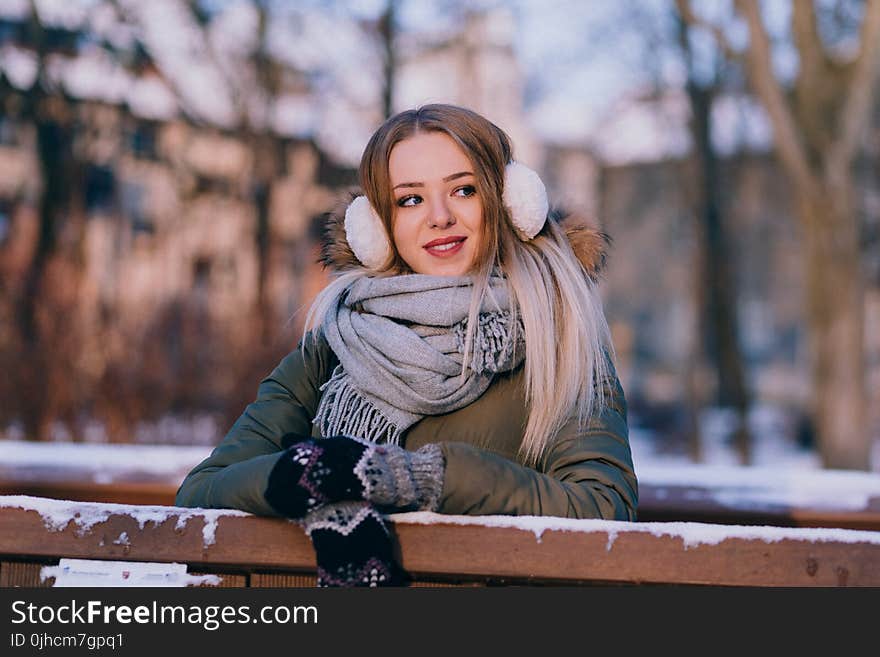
{"x":453,"y":176}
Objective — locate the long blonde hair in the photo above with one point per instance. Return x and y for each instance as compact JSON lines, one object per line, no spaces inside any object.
{"x":568,"y":345}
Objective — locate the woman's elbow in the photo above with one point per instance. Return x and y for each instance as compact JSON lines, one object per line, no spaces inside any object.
{"x":609,"y":504}
{"x":192,"y":492}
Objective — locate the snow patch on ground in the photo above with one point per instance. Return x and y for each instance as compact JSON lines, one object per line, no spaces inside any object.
{"x":105,"y":459}
{"x":762,"y":486}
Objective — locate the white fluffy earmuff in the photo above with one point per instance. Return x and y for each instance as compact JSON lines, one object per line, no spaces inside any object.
{"x":524,"y":196}
{"x":365,"y":233}
{"x":526,"y":199}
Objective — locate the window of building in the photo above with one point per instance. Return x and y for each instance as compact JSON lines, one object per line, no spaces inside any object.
{"x":202,"y":272}
{"x":100,"y":189}
{"x":5,"y":221}
{"x":9,"y":31}
{"x":142,"y":141}
{"x":8,"y":132}
{"x":133,"y":208}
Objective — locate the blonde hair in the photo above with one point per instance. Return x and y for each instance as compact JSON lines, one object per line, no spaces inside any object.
{"x":567,"y":341}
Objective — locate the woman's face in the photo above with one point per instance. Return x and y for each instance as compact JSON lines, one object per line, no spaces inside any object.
{"x":438,"y":216}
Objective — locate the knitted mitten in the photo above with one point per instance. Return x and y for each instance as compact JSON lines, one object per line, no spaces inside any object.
{"x":353,"y":546}
{"x":395,"y":477}
{"x":314,"y":472}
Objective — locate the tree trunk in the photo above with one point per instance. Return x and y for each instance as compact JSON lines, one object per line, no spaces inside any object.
{"x":719,"y":309}
{"x":53,"y":146}
{"x":262,"y":240}
{"x":387,"y":32}
{"x":268,"y":154}
{"x":717,"y":296}
{"x":836,"y":314}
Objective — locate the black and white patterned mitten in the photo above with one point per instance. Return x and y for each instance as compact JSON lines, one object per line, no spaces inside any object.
{"x":315,"y":472}
{"x":353,"y":546}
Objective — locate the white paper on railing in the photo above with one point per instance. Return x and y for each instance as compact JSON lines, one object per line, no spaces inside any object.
{"x":94,"y":572}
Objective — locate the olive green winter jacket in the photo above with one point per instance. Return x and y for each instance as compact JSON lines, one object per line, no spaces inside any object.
{"x":583,"y":474}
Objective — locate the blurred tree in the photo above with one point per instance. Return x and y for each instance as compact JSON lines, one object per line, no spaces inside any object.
{"x":43,"y":300}
{"x":387,"y":29}
{"x":716,"y":280}
{"x":668,"y":40}
{"x":818,"y":125}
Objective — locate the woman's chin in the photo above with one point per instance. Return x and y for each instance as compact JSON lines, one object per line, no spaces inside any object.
{"x":437,"y":267}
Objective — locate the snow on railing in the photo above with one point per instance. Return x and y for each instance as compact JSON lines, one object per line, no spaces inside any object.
{"x":59,"y":514}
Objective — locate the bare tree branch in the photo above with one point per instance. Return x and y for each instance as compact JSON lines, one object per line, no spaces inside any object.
{"x":818,"y":83}
{"x":760,"y":69}
{"x":811,"y":52}
{"x":862,"y":92}
{"x":687,"y":14}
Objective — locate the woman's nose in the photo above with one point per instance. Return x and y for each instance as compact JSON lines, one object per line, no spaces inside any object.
{"x":440,"y":215}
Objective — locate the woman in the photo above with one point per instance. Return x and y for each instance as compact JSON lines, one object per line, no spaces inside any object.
{"x":459,"y":363}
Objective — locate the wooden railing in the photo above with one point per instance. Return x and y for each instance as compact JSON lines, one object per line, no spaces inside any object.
{"x":245,"y":550}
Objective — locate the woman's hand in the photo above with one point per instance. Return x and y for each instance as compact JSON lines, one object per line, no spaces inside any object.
{"x":316,"y":472}
{"x":353,"y":547}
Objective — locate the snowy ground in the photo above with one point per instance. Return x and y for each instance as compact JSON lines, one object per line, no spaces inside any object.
{"x":774,"y":442}
{"x":100,"y":463}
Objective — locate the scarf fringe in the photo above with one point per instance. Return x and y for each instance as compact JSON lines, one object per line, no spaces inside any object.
{"x":343,"y":411}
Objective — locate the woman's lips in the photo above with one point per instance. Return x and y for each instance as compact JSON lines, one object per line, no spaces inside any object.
{"x":445,"y":247}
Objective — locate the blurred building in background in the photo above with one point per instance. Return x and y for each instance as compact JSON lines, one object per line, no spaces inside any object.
{"x":476,"y":67}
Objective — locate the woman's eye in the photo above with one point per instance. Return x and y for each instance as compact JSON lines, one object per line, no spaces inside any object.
{"x":409,"y":201}
{"x":467,"y":190}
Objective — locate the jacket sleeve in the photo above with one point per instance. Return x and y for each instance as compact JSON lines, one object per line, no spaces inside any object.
{"x":235,"y":474}
{"x":585,"y":473}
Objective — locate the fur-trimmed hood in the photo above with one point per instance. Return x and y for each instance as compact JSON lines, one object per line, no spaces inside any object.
{"x":589,"y":244}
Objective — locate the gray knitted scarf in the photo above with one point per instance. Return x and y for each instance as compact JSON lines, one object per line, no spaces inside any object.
{"x":400,"y":342}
